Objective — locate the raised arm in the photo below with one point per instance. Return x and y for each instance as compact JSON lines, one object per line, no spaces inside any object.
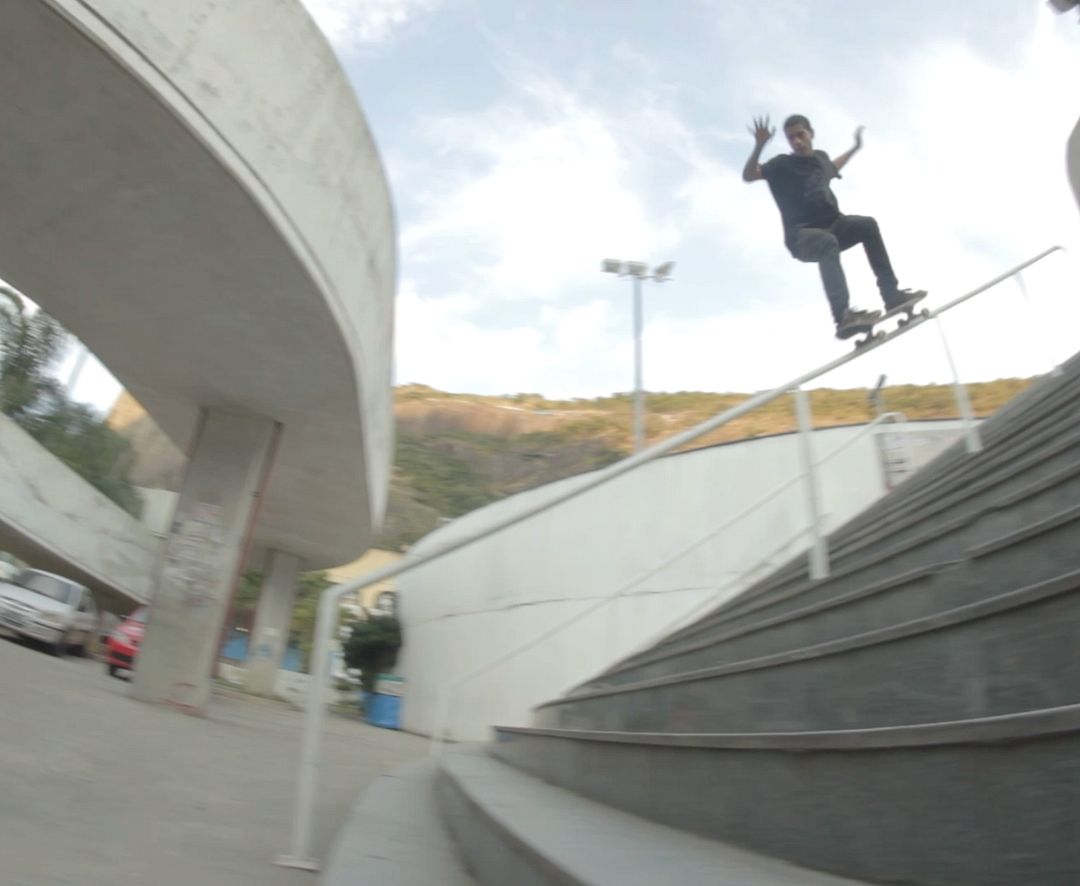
{"x":762,"y":132}
{"x":841,"y":161}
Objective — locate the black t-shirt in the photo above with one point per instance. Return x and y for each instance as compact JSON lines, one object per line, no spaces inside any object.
{"x":800,"y":187}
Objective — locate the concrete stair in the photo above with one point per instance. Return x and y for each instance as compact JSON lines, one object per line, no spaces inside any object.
{"x":989,"y":802}
{"x":517,"y":829}
{"x":395,"y":836}
{"x":912,"y":718}
{"x":908,"y":544}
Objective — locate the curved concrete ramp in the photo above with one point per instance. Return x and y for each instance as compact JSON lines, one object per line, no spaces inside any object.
{"x":193,"y":192}
{"x":52,"y":517}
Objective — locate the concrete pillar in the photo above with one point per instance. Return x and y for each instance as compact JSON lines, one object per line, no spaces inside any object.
{"x":1072,"y":161}
{"x":266,"y":647}
{"x":225,"y":477}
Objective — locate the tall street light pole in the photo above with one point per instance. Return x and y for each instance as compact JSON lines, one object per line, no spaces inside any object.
{"x":637,"y":272}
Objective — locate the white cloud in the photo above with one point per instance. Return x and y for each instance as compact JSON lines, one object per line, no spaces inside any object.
{"x":548,"y":194}
{"x":352,"y":23}
{"x":448,"y":342}
{"x":434,"y":334}
{"x":963,"y":167}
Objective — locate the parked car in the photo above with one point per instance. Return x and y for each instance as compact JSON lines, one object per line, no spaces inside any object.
{"x":122,"y":644}
{"x":50,"y":608}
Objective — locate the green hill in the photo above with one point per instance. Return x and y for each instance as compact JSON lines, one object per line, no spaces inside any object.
{"x":457,"y":452}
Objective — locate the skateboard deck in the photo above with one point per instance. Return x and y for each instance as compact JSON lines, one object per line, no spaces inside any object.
{"x":908,"y":309}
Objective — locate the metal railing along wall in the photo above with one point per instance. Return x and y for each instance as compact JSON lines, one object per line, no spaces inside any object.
{"x":815,"y":529}
{"x":299,"y":855}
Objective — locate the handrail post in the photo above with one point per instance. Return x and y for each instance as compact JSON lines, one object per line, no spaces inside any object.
{"x":1022,"y":286}
{"x":819,"y":552}
{"x":963,"y":403}
{"x":300,"y":855}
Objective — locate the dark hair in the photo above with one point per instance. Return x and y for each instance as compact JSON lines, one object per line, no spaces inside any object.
{"x":797,"y":120}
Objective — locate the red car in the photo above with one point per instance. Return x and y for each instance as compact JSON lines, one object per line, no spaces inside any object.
{"x":122,"y":645}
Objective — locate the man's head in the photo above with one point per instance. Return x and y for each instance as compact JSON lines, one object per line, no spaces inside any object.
{"x":800,"y":134}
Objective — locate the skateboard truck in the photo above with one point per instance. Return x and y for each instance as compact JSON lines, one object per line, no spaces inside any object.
{"x":906,"y":307}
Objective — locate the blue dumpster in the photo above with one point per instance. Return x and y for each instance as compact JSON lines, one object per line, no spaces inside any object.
{"x":383,"y":706}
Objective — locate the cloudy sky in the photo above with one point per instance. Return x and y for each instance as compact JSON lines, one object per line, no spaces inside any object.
{"x":526,"y":140}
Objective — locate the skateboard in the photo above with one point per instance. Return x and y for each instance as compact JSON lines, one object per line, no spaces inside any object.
{"x":907,"y":308}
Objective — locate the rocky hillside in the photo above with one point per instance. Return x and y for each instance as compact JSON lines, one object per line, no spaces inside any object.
{"x":456,"y":452}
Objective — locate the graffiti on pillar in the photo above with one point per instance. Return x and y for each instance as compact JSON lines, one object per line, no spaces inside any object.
{"x":191,"y":564}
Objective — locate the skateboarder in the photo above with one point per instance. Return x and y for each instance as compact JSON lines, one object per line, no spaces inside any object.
{"x":815,"y":230}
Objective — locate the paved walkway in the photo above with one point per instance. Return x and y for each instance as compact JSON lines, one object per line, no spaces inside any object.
{"x":96,"y":788}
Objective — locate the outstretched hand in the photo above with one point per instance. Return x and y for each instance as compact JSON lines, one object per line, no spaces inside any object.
{"x":858,"y":136}
{"x":761,"y":130}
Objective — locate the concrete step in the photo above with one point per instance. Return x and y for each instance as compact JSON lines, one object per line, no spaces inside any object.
{"x":1051,"y":396}
{"x":1033,"y":419}
{"x":1041,"y":473}
{"x":1039,"y":550}
{"x":995,"y":477}
{"x":994,"y":657}
{"x":988,"y":474}
{"x":1048,"y":397}
{"x":515,"y":829}
{"x":395,"y":837}
{"x":927,"y":572}
{"x":1040,"y":414}
{"x":981,"y":802}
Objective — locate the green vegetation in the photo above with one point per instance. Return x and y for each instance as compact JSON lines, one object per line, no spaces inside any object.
{"x":443,"y":478}
{"x":302,"y":626}
{"x":458,"y":452}
{"x":30,"y":346}
{"x":439,"y":476}
{"x":76,"y":436}
{"x":373,"y":648}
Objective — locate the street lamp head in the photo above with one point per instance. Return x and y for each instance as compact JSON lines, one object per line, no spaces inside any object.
{"x":663,"y":271}
{"x":612,"y":266}
{"x":637,"y":269}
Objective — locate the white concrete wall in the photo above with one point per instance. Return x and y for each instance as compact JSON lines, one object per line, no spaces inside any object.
{"x":53,"y":508}
{"x":463,"y":611}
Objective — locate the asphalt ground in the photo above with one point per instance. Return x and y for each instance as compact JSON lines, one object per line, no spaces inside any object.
{"x":97,"y":788}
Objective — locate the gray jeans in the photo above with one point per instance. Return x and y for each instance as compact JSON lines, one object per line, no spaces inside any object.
{"x":824,"y":245}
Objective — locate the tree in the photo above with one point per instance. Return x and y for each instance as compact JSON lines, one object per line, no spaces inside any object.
{"x":30,"y":345}
{"x":373,"y":647}
{"x":87,"y":445}
{"x":306,"y":611}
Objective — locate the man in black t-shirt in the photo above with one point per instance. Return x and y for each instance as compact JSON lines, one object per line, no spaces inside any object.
{"x":815,"y":230}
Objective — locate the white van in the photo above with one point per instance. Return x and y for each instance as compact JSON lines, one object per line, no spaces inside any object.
{"x":50,"y":608}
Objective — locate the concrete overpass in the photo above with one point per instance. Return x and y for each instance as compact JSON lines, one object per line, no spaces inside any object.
{"x":51,"y":517}
{"x":200,"y":201}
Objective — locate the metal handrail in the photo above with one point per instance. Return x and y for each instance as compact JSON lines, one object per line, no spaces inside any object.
{"x":299,"y":855}
{"x":685,"y":618}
